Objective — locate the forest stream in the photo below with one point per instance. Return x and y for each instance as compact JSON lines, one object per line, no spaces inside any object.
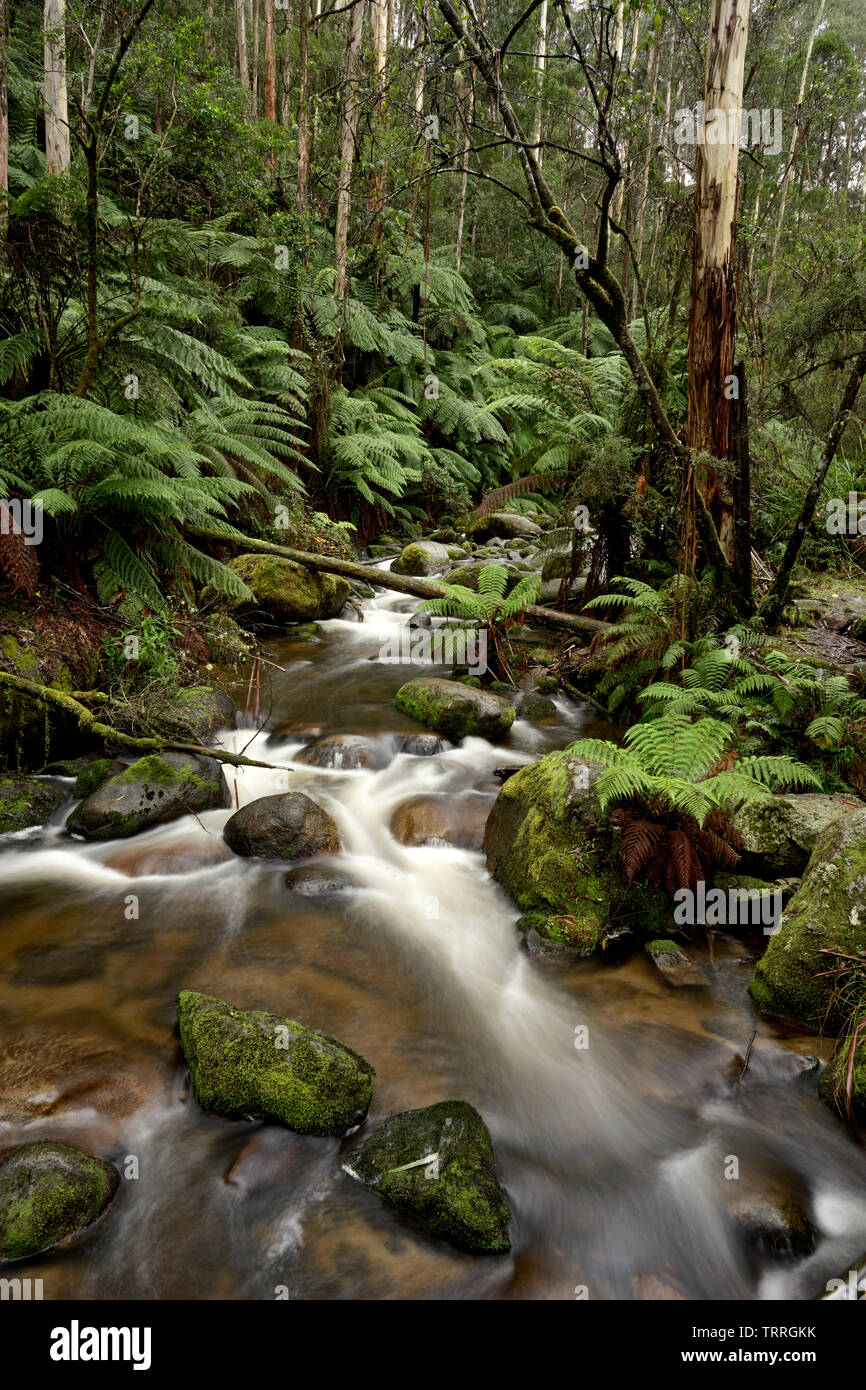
{"x":612,"y":1154}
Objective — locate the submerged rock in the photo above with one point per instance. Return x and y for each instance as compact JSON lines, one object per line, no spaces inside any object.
{"x":438,"y":1164}
{"x":421,"y":557}
{"x":441,"y":819}
{"x":150,"y":792}
{"x":286,"y":591}
{"x":420,"y":745}
{"x":25,"y":801}
{"x":252,"y":1063}
{"x":315,"y":881}
{"x":337,"y":750}
{"x":454,"y":709}
{"x":287,"y":826}
{"x":769,"y":1211}
{"x":827,"y":913}
{"x":184,"y":856}
{"x":674,"y":966}
{"x":49,"y":1193}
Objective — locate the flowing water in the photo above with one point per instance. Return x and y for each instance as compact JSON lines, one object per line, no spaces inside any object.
{"x":613,"y":1154}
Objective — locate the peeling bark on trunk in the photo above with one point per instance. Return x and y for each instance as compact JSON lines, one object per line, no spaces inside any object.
{"x":713,"y":313}
{"x":378,"y":188}
{"x":241,"y":33}
{"x":57,"y":149}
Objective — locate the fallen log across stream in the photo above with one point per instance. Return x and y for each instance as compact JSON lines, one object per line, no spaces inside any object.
{"x":415,"y":586}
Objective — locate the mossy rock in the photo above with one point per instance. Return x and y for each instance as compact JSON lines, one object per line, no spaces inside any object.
{"x":152,"y":791}
{"x":455,"y":710}
{"x":25,"y":801}
{"x":548,"y":844}
{"x":532,"y":706}
{"x":94,"y":774}
{"x":834,"y":1080}
{"x":48,"y":1194}
{"x":304,"y":632}
{"x":467,"y":575}
{"x":509,"y":525}
{"x":780,"y":832}
{"x":32,"y":733}
{"x":455,"y":1191}
{"x":252,"y":1063}
{"x":421,"y":557}
{"x":827,"y":913}
{"x":286,"y":592}
{"x":200,"y":712}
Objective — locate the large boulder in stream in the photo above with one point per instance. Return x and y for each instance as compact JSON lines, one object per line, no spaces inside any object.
{"x":826,"y":914}
{"x":252,"y":1063}
{"x":48,"y":1194}
{"x":421,"y":557}
{"x":150,"y":792}
{"x":454,"y":709}
{"x":287,"y":826}
{"x":548,"y":843}
{"x":288,"y":592}
{"x":780,"y":832}
{"x":25,"y":801}
{"x":510,"y":525}
{"x":438,"y":1164}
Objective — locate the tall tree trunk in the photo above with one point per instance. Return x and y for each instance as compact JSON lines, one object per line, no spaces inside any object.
{"x":539,"y":64}
{"x":270,"y":74}
{"x":786,"y":176}
{"x":421,"y":69}
{"x":257,"y":4}
{"x":57,"y":149}
{"x":653,"y":82}
{"x":378,"y":188}
{"x":286,"y":68}
{"x":4,"y":120}
{"x":349,"y":118}
{"x":712,"y":318}
{"x":241,"y":32}
{"x":466,"y":93}
{"x":774,"y":599}
{"x":303,"y":104}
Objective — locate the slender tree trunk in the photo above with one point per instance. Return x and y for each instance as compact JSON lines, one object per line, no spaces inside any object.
{"x":270,"y":73}
{"x":539,"y":64}
{"x":350,"y":116}
{"x":4,"y":120}
{"x":786,"y":176}
{"x":742,"y":490}
{"x":286,"y":68}
{"x":241,"y":32}
{"x":378,"y":189}
{"x":653,"y":82}
{"x":256,"y":9}
{"x":774,"y":600}
{"x":303,"y":104}
{"x":57,"y":148}
{"x":712,"y":318}
{"x":466,"y":93}
{"x":421,"y":69}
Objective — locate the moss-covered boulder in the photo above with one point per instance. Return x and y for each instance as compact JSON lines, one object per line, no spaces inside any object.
{"x":48,"y":1194}
{"x":198,"y":713}
{"x":827,"y":913}
{"x":454,"y":709}
{"x":467,"y":575}
{"x":850,"y":1055}
{"x":32,"y":732}
{"x":252,"y":1063}
{"x":25,"y":801}
{"x":94,"y":774}
{"x":150,"y":792}
{"x":289,"y":825}
{"x":548,"y":844}
{"x":509,"y":525}
{"x":421,"y":557}
{"x":438,"y":1164}
{"x":286,"y":592}
{"x":780,"y":832}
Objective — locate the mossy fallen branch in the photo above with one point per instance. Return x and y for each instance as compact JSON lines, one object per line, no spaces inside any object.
{"x":88,"y":721}
{"x":402,"y":583}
